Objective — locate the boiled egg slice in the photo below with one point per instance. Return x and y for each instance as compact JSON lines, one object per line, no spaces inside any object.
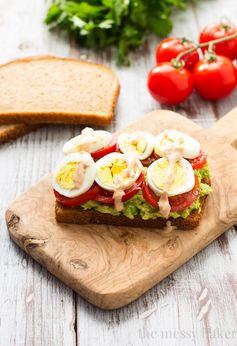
{"x":142,"y":143}
{"x":169,"y":140}
{"x":117,"y":166}
{"x":183,"y":178}
{"x":65,"y":175}
{"x":89,"y":140}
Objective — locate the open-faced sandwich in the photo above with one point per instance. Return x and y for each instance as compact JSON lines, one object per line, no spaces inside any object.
{"x":136,"y":179}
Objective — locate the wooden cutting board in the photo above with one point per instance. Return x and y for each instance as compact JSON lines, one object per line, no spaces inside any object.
{"x":112,"y":266}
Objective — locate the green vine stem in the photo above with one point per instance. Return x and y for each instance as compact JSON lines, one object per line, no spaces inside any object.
{"x":202,"y":45}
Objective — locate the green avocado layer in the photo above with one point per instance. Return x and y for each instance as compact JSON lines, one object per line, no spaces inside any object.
{"x":137,"y":206}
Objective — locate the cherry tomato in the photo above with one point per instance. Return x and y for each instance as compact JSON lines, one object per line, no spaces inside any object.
{"x":169,"y":84}
{"x":169,"y":48}
{"x":107,"y":196}
{"x":177,"y":203}
{"x":75,"y":201}
{"x":216,"y":31}
{"x":104,"y":151}
{"x":200,"y":161}
{"x":214,"y":78}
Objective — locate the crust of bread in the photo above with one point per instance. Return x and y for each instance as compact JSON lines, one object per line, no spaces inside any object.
{"x":10,"y":132}
{"x":52,"y":110}
{"x":81,"y":216}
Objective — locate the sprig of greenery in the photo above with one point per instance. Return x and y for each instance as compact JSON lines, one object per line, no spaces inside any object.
{"x":123,"y":23}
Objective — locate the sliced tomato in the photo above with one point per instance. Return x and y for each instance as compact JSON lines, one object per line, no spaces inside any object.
{"x":183,"y":201}
{"x":150,"y":196}
{"x":83,"y":198}
{"x":104,"y":151}
{"x":107,"y":196}
{"x":156,"y":156}
{"x":200,"y":161}
{"x":177,"y":203}
{"x":146,"y":162}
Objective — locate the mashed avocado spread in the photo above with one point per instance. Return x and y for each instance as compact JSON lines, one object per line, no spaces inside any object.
{"x":137,"y":206}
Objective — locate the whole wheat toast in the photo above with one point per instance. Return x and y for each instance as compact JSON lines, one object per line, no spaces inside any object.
{"x":13,"y":131}
{"x":49,"y":89}
{"x":80,"y":216}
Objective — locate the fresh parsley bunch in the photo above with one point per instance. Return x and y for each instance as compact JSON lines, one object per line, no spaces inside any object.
{"x":123,"y":23}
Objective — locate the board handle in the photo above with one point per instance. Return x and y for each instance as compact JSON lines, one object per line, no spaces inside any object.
{"x":226,"y":127}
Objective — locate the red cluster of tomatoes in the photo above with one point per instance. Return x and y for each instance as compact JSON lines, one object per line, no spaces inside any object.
{"x":96,"y":193}
{"x":213,"y":75}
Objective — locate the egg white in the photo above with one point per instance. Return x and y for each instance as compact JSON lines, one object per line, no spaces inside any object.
{"x":170,"y":139}
{"x":132,"y":135}
{"x":89,"y":178}
{"x":187,"y":186}
{"x":104,"y":161}
{"x":104,"y":138}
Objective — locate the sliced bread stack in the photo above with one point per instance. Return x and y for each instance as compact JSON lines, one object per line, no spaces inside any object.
{"x":48,"y":89}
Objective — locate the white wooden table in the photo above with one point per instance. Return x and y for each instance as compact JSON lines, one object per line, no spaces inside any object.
{"x":196,"y":305}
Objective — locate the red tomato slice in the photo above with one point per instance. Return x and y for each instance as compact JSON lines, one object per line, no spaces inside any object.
{"x":150,"y":196}
{"x":156,"y":156}
{"x":183,"y":201}
{"x":200,"y":161}
{"x":75,"y":201}
{"x":104,"y":151}
{"x":107,"y":196}
{"x":177,"y":203}
{"x":146,"y":162}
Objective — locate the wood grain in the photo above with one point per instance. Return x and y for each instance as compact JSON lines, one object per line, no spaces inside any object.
{"x":112,"y":266}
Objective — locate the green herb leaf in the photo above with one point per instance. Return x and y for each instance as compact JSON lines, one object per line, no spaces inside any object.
{"x":123,"y":23}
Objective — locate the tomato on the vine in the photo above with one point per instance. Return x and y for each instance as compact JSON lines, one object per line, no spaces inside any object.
{"x":171,"y":47}
{"x":214,"y":77}
{"x":169,"y":84}
{"x":215,"y":31}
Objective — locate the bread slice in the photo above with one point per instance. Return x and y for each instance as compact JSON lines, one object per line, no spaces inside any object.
{"x":80,"y":216}
{"x":9,"y":132}
{"x":49,"y":89}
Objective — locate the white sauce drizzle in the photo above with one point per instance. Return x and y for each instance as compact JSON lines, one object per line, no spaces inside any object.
{"x":174,"y":155}
{"x":79,"y":174}
{"x":119,"y":184}
{"x":118,"y":192}
{"x":87,"y":138}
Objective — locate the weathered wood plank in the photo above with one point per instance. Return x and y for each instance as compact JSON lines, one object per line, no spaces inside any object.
{"x":35,"y":308}
{"x":172,"y":305}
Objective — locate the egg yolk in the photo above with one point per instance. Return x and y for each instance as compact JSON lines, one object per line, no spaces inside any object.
{"x":108,"y":172}
{"x":137,"y":144}
{"x":159,"y":175}
{"x":65,"y":176}
{"x":168,"y":142}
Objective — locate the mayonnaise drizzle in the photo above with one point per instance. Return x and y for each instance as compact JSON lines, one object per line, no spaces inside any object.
{"x":173,"y":156}
{"x":118,"y":192}
{"x":84,"y":162}
{"x":132,"y":162}
{"x":120,"y":184}
{"x":87,"y":138}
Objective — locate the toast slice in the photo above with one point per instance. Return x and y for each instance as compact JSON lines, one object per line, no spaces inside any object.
{"x":9,"y":132}
{"x":80,"y":216}
{"x":49,"y":89}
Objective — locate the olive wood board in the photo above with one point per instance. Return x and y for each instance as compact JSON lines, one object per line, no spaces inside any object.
{"x":112,"y":266}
